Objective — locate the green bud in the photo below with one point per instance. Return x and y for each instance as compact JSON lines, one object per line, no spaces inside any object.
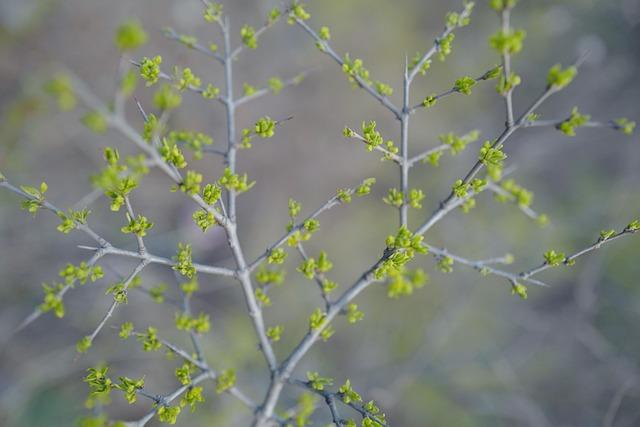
{"x":554,"y":258}
{"x":192,"y":397}
{"x":492,"y":73}
{"x":248,"y":34}
{"x":575,"y":120}
{"x":324,"y":33}
{"x":95,"y":122}
{"x":559,"y":78}
{"x":347,"y":394}
{"x":168,"y":414}
{"x":383,"y":89}
{"x":626,"y":126}
{"x":211,"y":92}
{"x":61,"y":88}
{"x":520,"y":290}
{"x":265,"y":127}
{"x":275,"y":85}
{"x":185,"y":79}
{"x":274,"y":333}
{"x":507,"y":41}
{"x":184,"y":265}
{"x":464,"y":84}
{"x":353,"y":314}
{"x":167,"y":98}
{"x":150,"y":69}
{"x":225,"y":380}
{"x":460,"y":188}
{"x":126,"y":329}
{"x":213,"y":12}
{"x":429,"y":101}
{"x":317,"y":382}
{"x":130,"y":36}
{"x":83,"y":345}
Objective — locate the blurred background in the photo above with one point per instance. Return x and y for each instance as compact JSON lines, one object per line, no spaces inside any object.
{"x":460,"y":352}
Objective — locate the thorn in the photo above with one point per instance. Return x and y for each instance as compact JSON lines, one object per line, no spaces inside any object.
{"x":284,"y":120}
{"x":582,"y":58}
{"x":139,"y":105}
{"x":26,"y":322}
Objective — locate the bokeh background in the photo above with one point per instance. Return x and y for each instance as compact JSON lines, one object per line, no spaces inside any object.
{"x":460,"y":352}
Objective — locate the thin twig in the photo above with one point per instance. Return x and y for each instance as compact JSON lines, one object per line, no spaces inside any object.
{"x":171,"y":34}
{"x":364,"y":85}
{"x":293,"y":81}
{"x":571,"y":258}
{"x":448,"y":92}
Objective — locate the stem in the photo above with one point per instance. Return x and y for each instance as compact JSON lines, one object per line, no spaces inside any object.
{"x":506,"y":67}
{"x":231,"y":125}
{"x":114,"y":304}
{"x":361,"y":83}
{"x":283,"y":374}
{"x":244,"y":273}
{"x":404,"y":148}
{"x":571,"y":258}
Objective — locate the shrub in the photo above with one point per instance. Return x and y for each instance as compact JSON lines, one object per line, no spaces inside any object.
{"x":215,"y":207}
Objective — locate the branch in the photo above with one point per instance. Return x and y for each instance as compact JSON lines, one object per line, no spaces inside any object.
{"x":266,"y":25}
{"x":293,"y":81}
{"x":227,"y":222}
{"x":165,"y":400}
{"x":491,"y":186}
{"x":244,"y":274}
{"x":51,"y":208}
{"x":319,"y":278}
{"x":142,"y":249}
{"x":387,"y":154}
{"x":103,"y":249}
{"x":505,"y":18}
{"x":36,"y":313}
{"x":283,"y":374}
{"x":186,"y":307}
{"x":121,"y":125}
{"x":335,"y":415}
{"x":404,"y":146}
{"x":202,"y":365}
{"x":334,"y":201}
{"x":436,"y":46}
{"x":196,"y":89}
{"x":364,"y":85}
{"x":451,"y":91}
{"x":483,"y":267}
{"x":611,"y":124}
{"x":331,"y":399}
{"x":444,"y":205}
{"x":154,"y":259}
{"x":571,"y":258}
{"x":171,"y":34}
{"x":419,"y":157}
{"x":115,"y":303}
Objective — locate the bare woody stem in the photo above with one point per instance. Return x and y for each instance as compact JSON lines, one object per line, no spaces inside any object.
{"x":243,"y":274}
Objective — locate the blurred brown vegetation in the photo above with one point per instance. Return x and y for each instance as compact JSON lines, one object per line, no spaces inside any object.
{"x":460,"y":352}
